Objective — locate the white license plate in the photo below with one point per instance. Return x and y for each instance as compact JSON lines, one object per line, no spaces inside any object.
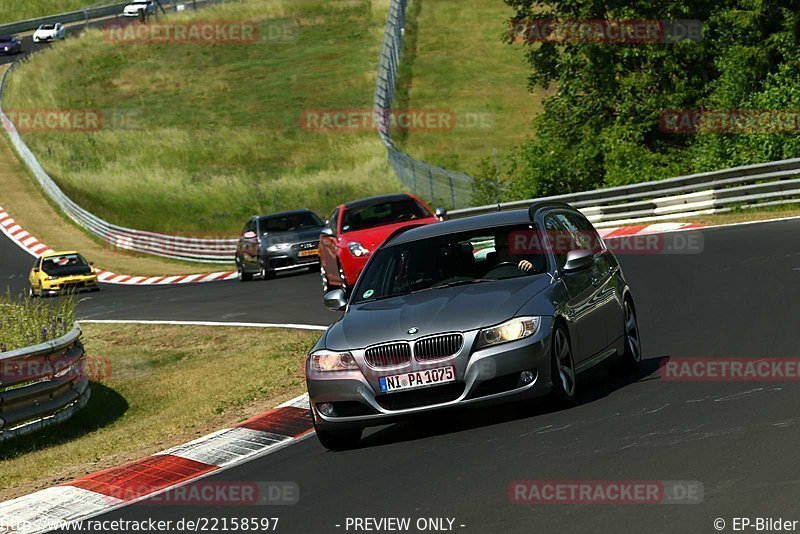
{"x":417,"y":379}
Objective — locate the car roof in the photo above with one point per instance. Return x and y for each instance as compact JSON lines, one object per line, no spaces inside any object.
{"x":467,"y":224}
{"x":371,"y":201}
{"x":284,"y":213}
{"x":63,"y":253}
{"x":476,"y":222}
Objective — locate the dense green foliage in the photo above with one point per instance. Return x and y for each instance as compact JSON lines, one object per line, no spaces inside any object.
{"x":602,"y":126}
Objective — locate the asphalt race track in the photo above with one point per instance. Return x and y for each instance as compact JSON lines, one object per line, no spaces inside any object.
{"x":739,"y":298}
{"x":290,"y":298}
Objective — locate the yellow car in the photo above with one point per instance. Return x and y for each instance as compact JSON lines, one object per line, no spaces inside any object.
{"x":61,"y":272}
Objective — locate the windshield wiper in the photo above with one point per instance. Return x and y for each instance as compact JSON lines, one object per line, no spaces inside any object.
{"x":456,"y":283}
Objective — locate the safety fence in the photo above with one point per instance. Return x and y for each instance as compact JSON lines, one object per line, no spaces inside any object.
{"x":441,"y":186}
{"x":42,"y":385}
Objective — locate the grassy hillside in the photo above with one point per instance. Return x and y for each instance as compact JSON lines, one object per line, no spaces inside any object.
{"x":456,"y":61}
{"x":196,"y":138}
{"x":14,"y":10}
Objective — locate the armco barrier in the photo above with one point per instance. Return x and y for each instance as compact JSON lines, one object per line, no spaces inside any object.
{"x":64,"y":18}
{"x":175,"y":247}
{"x":763,"y":184}
{"x":42,"y":385}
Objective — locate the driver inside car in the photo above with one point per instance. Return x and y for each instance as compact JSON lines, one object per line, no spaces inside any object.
{"x":505,"y":254}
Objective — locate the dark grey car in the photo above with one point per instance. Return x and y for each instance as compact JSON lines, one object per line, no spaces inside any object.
{"x":278,"y":242}
{"x":506,"y":306}
{"x":10,"y":44}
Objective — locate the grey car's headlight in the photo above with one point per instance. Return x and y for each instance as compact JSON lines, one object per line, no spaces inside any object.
{"x":517,"y":328}
{"x":279,"y":247}
{"x":357,"y":249}
{"x":324,"y":361}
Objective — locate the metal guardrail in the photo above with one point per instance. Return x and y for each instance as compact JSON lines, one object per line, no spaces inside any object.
{"x":82,"y":15}
{"x":763,"y":184}
{"x":42,"y":385}
{"x":440,"y":185}
{"x":168,"y":246}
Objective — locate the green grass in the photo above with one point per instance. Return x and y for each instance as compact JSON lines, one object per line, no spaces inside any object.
{"x":211,"y":133}
{"x":167,"y":385}
{"x":16,"y":10}
{"x":456,"y":61}
{"x":25,"y":322}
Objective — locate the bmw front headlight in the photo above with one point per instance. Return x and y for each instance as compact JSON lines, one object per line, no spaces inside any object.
{"x":513,"y":330}
{"x":325,"y":361}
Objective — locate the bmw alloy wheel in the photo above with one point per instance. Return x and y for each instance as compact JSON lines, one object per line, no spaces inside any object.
{"x":633,"y":346}
{"x":564,"y":375}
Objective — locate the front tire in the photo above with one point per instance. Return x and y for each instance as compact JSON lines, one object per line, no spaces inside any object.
{"x":244,"y":276}
{"x":337,"y":440}
{"x":562,"y":366}
{"x":266,"y":274}
{"x":31,"y":292}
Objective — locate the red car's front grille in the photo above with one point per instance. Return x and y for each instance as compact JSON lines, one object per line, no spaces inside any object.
{"x":391,"y":355}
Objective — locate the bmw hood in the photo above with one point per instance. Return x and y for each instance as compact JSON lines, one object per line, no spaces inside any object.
{"x":454,"y":309}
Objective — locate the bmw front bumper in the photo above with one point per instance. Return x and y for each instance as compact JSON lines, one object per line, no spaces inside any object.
{"x":490,"y":375}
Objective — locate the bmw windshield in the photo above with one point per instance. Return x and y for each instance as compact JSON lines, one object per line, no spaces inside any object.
{"x":478,"y":256}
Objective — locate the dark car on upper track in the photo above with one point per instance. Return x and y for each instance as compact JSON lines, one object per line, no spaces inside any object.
{"x":509,"y":305}
{"x":278,"y":242}
{"x":9,"y":45}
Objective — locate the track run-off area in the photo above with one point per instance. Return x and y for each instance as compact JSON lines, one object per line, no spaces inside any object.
{"x":739,"y":297}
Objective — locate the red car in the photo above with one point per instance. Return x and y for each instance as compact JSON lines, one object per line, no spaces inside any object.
{"x":354,"y":230}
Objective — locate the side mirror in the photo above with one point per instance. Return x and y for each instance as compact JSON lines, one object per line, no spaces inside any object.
{"x":577,"y":260}
{"x":335,"y":300}
{"x":249,"y":235}
{"x":441,"y":213}
{"x":327,"y":231}
{"x":36,"y":269}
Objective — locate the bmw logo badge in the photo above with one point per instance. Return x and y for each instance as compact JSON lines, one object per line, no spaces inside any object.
{"x":413,"y":331}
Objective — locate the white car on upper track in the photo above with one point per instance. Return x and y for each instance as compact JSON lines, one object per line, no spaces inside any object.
{"x":137,"y":6}
{"x":49,"y":32}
